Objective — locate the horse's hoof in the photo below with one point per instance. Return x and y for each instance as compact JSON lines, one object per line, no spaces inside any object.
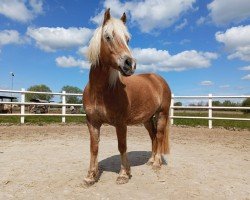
{"x":156,"y":167}
{"x":150,"y":162}
{"x":89,"y":181}
{"x":122,"y":180}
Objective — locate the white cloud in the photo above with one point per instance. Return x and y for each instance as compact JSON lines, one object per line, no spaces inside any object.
{"x":9,"y":37}
{"x":236,"y":41}
{"x":148,"y":14}
{"x":201,"y":21}
{"x":68,"y":62}
{"x":52,"y":39}
{"x":246,"y":68}
{"x":21,"y":10}
{"x":82,"y":51}
{"x":247,"y":77}
{"x":184,"y":41}
{"x":224,"y":12}
{"x":206,"y":83}
{"x":151,"y":59}
{"x":181,"y":25}
{"x":37,"y":6}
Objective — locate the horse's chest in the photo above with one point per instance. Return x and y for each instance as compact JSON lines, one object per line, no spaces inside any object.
{"x":107,"y":110}
{"x":95,"y":109}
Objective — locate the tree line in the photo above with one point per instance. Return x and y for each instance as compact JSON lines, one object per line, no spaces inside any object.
{"x":49,"y":97}
{"x":226,"y":103}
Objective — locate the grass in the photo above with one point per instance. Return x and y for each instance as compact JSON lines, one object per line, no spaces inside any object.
{"x":188,"y":122}
{"x":41,"y":119}
{"x":216,"y":123}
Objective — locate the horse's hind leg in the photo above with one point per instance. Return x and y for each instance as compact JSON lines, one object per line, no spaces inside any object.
{"x":162,"y":138}
{"x":150,"y":125}
{"x":124,"y":174}
{"x":94,"y":130}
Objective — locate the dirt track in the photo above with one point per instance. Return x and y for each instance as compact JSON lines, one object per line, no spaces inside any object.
{"x":50,"y":162}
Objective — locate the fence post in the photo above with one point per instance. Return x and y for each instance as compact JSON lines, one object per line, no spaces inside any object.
{"x":172,"y":109}
{"x":210,"y":113}
{"x":22,"y":106}
{"x":63,"y":107}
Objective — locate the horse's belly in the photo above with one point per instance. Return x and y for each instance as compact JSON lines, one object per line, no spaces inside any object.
{"x":138,"y":116}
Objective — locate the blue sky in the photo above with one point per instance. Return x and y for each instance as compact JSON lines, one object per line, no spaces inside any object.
{"x":199,"y":47}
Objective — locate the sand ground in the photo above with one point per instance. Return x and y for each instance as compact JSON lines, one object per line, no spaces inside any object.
{"x":50,"y":162}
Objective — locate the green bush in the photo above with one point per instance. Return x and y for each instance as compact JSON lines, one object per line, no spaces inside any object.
{"x":246,"y":103}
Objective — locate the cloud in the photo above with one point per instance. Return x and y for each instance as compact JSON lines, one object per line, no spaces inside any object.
{"x":68,"y":62}
{"x":151,"y":59}
{"x":206,"y":83}
{"x":246,"y":68}
{"x":10,"y":37}
{"x":224,"y":12}
{"x":52,"y":39}
{"x":181,"y":25}
{"x":149,"y":14}
{"x":201,"y":21}
{"x":185,"y":41}
{"x":236,"y":41}
{"x":21,"y":10}
{"x":37,"y":6}
{"x":82,"y":51}
{"x":247,"y":77}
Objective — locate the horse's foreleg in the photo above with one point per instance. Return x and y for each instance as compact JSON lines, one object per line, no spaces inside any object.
{"x":92,"y":175}
{"x":124,"y":174}
{"x":151,"y":128}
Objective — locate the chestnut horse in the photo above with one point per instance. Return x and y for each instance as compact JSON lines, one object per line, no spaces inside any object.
{"x":114,"y":97}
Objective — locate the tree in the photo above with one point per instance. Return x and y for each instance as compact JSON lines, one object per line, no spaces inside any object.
{"x":216,"y":103}
{"x":228,"y":103}
{"x":72,"y":89}
{"x":39,"y":88}
{"x":177,"y":104}
{"x":246,"y":103}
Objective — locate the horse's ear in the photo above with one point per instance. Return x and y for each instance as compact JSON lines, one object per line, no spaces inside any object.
{"x":124,"y":18}
{"x":107,"y":16}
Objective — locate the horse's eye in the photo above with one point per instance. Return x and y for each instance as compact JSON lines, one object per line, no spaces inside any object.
{"x":127,"y":41}
{"x":108,"y":38}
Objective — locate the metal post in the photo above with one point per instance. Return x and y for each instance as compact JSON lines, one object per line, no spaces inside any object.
{"x":210,"y":114}
{"x":63,"y":107}
{"x":22,"y":106}
{"x":172,"y":109}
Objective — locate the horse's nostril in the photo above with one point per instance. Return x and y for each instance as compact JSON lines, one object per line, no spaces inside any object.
{"x":128,"y":62}
{"x":126,"y":68}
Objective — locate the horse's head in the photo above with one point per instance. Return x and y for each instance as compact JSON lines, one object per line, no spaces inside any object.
{"x":109,"y":45}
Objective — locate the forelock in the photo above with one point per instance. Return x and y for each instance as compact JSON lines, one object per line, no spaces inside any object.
{"x":118,"y":27}
{"x":113,"y":25}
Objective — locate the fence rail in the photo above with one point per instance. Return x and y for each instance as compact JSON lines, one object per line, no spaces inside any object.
{"x":22,"y":103}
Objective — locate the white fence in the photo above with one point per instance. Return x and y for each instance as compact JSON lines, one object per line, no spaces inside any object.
{"x":22,"y":103}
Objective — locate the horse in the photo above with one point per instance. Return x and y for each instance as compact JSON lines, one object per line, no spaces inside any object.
{"x":116,"y":97}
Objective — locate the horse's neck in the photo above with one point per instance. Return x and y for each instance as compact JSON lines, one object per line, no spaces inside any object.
{"x":99,"y":79}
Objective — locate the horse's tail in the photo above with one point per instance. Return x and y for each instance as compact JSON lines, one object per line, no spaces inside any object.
{"x":165,"y":142}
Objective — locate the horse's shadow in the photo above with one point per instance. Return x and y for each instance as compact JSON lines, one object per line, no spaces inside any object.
{"x":135,"y":158}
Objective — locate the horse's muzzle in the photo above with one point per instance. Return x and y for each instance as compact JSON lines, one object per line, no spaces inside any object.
{"x":128,"y":67}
